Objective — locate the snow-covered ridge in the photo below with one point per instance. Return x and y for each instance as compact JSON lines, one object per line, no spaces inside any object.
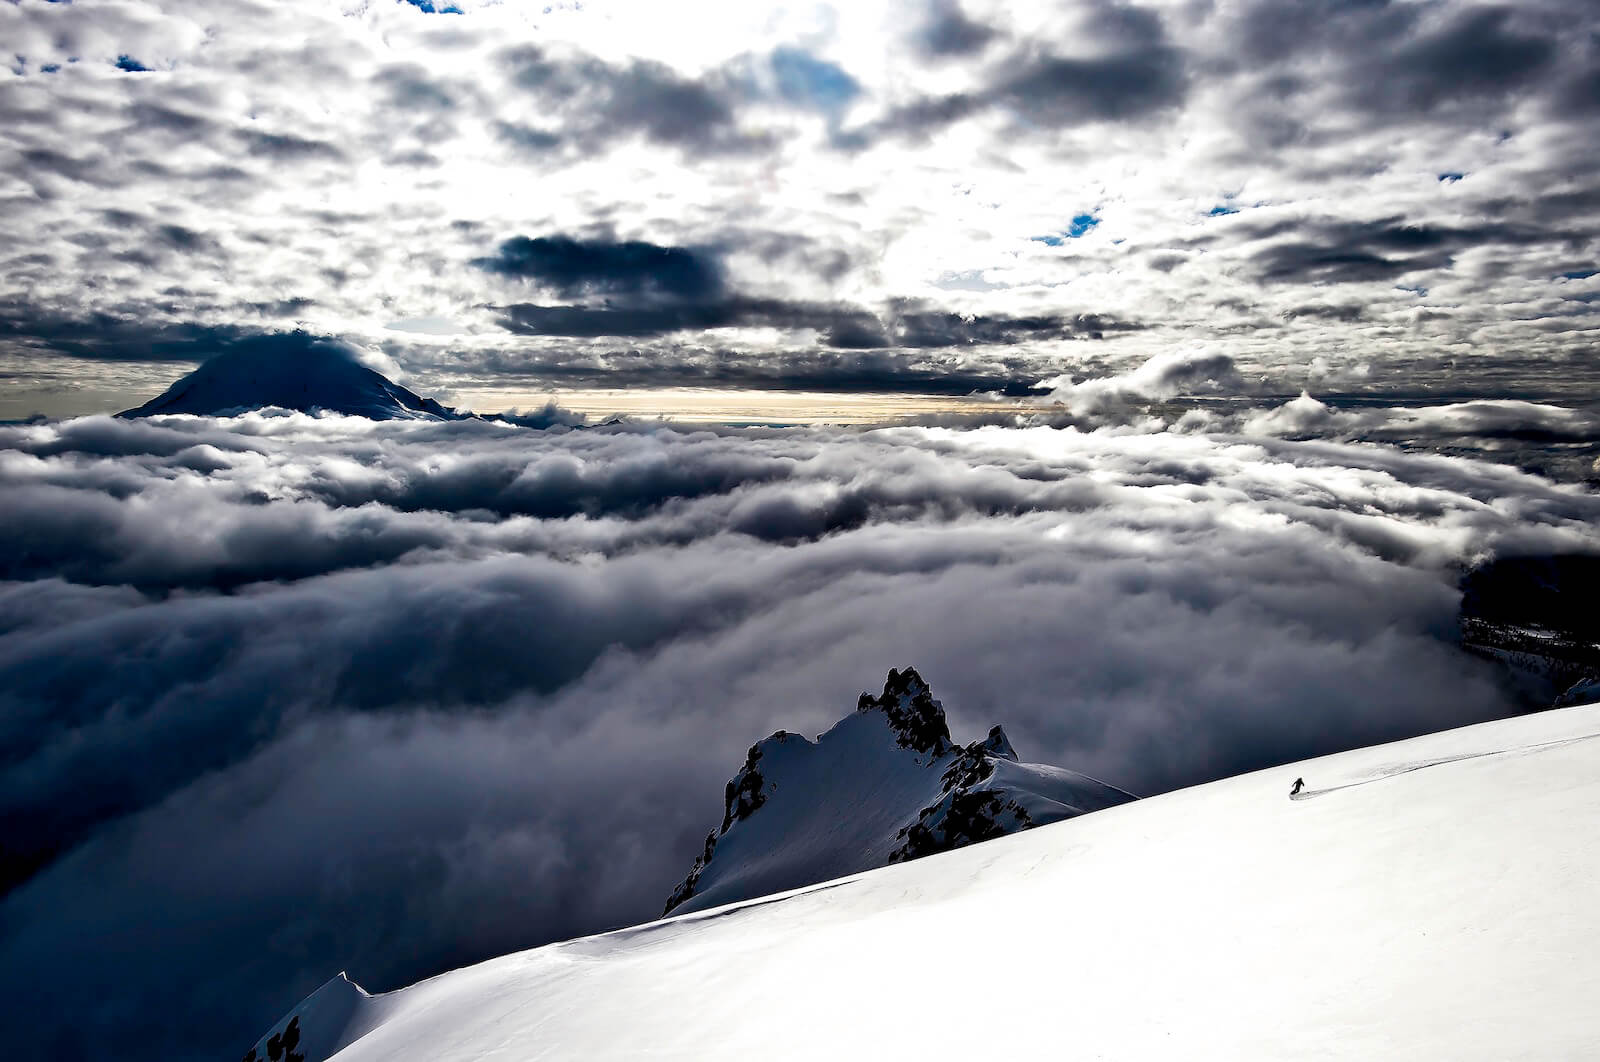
{"x":332,"y":1013}
{"x":1429,"y":898}
{"x":884,"y":785}
{"x":292,"y":372}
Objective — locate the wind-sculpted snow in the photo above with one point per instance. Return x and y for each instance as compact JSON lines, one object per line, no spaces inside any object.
{"x":883,"y":785}
{"x":284,"y":694}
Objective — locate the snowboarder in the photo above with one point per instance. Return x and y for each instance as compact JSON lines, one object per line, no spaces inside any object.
{"x":1299,"y":784}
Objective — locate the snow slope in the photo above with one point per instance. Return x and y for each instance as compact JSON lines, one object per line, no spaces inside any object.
{"x":1432,"y":898}
{"x":884,"y":785}
{"x":291,"y":373}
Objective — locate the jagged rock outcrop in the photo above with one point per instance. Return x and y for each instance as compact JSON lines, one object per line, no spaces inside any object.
{"x":962,"y":817}
{"x":917,"y":719}
{"x":886,"y":784}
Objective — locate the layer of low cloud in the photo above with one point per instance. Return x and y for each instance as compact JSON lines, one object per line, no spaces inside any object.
{"x":285,"y":695}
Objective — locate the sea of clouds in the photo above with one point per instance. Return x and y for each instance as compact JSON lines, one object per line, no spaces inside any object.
{"x":282,"y":695}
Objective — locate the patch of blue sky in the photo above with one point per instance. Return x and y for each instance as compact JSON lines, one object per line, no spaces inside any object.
{"x":1220,"y":209}
{"x":428,"y":7}
{"x":1078,"y":226}
{"x":807,"y":81}
{"x":1579,"y":274}
{"x":1450,"y":177}
{"x":128,"y":64}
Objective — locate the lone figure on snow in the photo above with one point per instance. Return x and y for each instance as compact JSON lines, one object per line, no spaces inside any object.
{"x":1299,"y":784}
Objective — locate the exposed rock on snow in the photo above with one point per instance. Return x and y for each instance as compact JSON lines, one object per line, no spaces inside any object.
{"x":886,"y":784}
{"x":917,"y":719}
{"x":296,"y":372}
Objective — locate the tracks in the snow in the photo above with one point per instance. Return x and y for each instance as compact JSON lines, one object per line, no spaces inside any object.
{"x":1406,"y":768}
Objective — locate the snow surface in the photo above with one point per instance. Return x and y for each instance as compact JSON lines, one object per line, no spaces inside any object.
{"x":1432,"y":898}
{"x":307,"y":376}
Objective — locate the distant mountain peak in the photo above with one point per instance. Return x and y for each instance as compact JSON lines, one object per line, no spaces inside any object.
{"x":886,"y":784}
{"x":293,"y":371}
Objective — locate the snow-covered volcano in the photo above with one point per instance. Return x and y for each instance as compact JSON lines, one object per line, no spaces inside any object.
{"x":1431,"y":898}
{"x":292,"y":372}
{"x":884,"y":785}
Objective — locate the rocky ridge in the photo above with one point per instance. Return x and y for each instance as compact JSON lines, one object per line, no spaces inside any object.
{"x":885,"y":785}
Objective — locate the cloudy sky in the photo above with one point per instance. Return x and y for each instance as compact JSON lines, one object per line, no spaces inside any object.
{"x":905,"y":197}
{"x":286,"y":694}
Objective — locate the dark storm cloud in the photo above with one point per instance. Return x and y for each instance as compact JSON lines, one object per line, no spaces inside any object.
{"x":949,"y":31}
{"x":599,"y":102}
{"x":409,"y":87}
{"x":583,"y":267}
{"x":920,"y":327}
{"x":657,"y":320}
{"x":107,"y":337}
{"x":588,"y":103}
{"x":1274,"y":32}
{"x":372,"y":695}
{"x":648,"y":290}
{"x":1580,"y":95}
{"x":843,"y":327}
{"x":1405,"y":60}
{"x":74,"y":168}
{"x":147,"y":116}
{"x":526,"y":138}
{"x":841,"y":368}
{"x":1137,"y":73}
{"x":288,"y":147}
{"x":1475,"y":55}
{"x":1328,"y":311}
{"x":1339,"y":252}
{"x":1054,"y":90}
